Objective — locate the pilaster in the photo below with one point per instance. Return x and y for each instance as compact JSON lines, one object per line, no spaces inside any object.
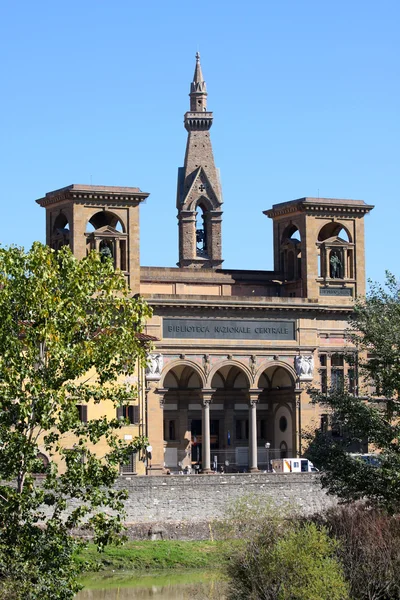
{"x":155,"y":427}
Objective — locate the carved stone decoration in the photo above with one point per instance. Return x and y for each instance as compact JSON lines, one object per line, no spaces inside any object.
{"x":206,"y":364}
{"x":155,"y":363}
{"x":304,"y":366}
{"x":276,"y":357}
{"x":253,"y":364}
{"x":229,"y":357}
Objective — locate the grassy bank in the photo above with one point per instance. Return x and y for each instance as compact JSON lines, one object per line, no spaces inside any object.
{"x":147,"y":555}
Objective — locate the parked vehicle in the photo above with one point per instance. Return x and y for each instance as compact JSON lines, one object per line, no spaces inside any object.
{"x":369,"y":458}
{"x":293,"y":465}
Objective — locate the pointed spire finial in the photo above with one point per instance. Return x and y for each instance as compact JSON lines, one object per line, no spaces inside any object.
{"x":198,"y":75}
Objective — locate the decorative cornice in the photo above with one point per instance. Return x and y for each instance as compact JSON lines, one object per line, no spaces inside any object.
{"x":91,"y":194}
{"x":324,"y":206}
{"x":241,"y":306}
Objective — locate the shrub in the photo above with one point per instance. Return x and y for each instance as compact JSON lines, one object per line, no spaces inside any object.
{"x":293,"y":563}
{"x":369,"y":550}
{"x":246,"y":516}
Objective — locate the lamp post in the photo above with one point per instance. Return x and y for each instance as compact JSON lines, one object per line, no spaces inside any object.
{"x":267,"y":447}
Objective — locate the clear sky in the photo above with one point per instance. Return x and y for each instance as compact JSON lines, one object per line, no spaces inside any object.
{"x":305,"y":95}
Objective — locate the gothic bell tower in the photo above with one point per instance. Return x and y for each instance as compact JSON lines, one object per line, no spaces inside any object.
{"x":199,"y":196}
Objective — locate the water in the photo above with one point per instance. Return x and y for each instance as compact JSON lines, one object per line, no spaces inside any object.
{"x":193,"y":585}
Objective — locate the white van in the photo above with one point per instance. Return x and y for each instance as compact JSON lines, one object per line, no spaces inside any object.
{"x":293,"y":465}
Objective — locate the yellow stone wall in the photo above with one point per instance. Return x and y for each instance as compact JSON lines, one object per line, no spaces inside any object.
{"x":107,"y":409}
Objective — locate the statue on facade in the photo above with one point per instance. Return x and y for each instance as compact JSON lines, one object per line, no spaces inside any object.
{"x":155,"y":363}
{"x":336,"y":266}
{"x":105,"y":251}
{"x":304,"y":366}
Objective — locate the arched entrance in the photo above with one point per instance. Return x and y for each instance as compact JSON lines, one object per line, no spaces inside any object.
{"x":230,"y":418}
{"x":182,"y":417}
{"x":277,"y":383}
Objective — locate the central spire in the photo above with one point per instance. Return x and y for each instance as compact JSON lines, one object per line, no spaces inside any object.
{"x":198,"y":89}
{"x":199,"y":196}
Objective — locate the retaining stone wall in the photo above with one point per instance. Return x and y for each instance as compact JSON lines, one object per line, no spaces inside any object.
{"x":204,"y":498}
{"x":186,"y":507}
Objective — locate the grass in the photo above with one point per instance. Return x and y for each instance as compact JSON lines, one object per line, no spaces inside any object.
{"x":148,"y":555}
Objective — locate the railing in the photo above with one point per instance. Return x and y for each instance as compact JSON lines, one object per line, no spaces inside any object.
{"x":229,"y":460}
{"x":237,"y":460}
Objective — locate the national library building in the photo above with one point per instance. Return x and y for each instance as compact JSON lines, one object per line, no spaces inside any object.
{"x":235,"y":351}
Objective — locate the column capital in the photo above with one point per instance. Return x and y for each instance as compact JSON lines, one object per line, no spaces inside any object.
{"x":254,"y":395}
{"x":207,"y":396}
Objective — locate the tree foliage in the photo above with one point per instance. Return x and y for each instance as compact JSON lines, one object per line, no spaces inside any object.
{"x":287,"y":561}
{"x":59,"y":320}
{"x":372,"y":414}
{"x":368,"y":547}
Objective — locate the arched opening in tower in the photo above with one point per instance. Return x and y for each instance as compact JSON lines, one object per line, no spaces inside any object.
{"x":61,"y":232}
{"x":201,"y":232}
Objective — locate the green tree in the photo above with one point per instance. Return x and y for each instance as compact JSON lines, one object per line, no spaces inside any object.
{"x":60,"y":318}
{"x":372,"y":415}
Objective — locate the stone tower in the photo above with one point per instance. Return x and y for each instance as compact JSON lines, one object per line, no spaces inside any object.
{"x":319,"y":247}
{"x":102,"y":218}
{"x":199,"y":196}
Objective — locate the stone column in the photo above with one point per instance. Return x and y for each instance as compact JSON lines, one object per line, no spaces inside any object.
{"x":327,"y":263}
{"x":205,"y":426}
{"x":253,"y":398}
{"x":344,"y":268}
{"x":117,"y":257}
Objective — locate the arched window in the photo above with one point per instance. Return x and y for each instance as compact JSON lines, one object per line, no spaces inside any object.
{"x":336,"y":230}
{"x":61,"y":233}
{"x":61,"y":222}
{"x":105,"y":218}
{"x":201,"y":232}
{"x":105,"y":233}
{"x":291,"y":232}
{"x":291,"y":247}
{"x":337,"y":252}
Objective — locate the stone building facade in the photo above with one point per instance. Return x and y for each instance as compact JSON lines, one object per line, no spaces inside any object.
{"x":237,"y":349}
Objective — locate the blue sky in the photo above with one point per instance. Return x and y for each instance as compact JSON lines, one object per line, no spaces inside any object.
{"x":305,"y":95}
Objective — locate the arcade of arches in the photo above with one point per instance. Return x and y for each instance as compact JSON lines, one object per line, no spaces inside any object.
{"x":230,"y":419}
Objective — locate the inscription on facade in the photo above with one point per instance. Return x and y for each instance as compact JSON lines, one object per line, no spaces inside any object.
{"x":228,"y":329}
{"x":335,"y":291}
